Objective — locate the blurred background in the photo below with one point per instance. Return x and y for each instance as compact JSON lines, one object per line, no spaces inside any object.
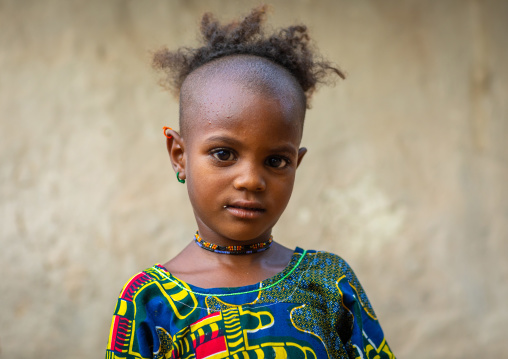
{"x":406,"y":175}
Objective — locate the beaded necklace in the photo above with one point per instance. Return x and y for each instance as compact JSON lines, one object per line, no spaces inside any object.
{"x":237,"y":249}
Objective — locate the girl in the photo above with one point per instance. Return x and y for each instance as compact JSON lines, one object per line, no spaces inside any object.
{"x":234,"y":292}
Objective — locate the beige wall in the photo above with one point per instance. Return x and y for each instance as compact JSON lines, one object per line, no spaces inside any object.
{"x":406,"y":175}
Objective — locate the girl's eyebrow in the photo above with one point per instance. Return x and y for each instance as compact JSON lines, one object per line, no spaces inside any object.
{"x":224,"y":139}
{"x":284,"y":149}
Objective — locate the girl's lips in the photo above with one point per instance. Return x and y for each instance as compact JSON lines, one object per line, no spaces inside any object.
{"x":250,"y":211}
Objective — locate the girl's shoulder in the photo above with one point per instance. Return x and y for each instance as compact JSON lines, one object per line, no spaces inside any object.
{"x":142,"y":280}
{"x":325,"y":260}
{"x":332,"y":273}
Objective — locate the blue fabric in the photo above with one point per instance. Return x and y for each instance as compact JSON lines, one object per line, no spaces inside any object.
{"x":319,"y":311}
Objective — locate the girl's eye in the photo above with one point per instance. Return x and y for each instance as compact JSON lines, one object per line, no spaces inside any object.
{"x":223,"y":155}
{"x":277,"y":162}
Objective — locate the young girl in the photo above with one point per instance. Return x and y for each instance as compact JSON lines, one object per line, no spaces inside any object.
{"x":234,"y":292}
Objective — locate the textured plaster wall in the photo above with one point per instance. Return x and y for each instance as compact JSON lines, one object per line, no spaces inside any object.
{"x":406,"y":175}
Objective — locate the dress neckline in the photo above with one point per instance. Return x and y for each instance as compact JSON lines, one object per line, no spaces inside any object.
{"x":294,"y":262}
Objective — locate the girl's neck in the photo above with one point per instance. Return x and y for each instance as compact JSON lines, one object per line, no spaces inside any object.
{"x":236,"y":249}
{"x":211,"y":236}
{"x":208,"y":270}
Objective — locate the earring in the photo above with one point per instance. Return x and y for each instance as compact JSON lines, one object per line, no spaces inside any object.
{"x":178,"y":178}
{"x":167,"y":128}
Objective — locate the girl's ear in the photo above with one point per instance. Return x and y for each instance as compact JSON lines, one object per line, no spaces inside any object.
{"x":301,"y":152}
{"x":176,"y":152}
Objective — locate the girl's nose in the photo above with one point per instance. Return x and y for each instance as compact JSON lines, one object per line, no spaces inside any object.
{"x":249,"y":178}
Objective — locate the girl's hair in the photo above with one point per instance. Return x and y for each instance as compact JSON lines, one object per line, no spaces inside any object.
{"x":288,"y":47}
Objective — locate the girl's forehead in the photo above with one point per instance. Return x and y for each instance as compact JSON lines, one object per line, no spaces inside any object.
{"x":229,"y":108}
{"x":227,"y":103}
{"x":228,"y":92}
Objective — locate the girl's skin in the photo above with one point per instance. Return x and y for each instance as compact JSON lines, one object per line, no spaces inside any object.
{"x":238,"y":153}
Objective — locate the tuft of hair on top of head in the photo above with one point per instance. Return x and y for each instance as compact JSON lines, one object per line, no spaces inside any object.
{"x":289,"y":48}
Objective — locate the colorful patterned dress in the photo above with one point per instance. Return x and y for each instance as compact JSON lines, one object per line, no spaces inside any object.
{"x":314,"y":308}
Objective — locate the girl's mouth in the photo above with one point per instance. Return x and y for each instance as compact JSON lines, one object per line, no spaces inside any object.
{"x":247,"y":211}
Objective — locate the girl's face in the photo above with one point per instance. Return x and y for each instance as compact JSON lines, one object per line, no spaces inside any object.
{"x":239,"y":156}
